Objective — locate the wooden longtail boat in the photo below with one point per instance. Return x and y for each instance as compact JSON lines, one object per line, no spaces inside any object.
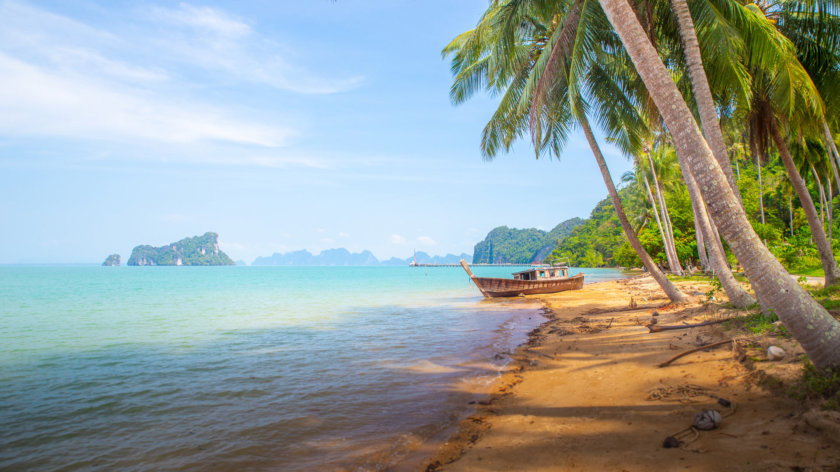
{"x":527,"y":282}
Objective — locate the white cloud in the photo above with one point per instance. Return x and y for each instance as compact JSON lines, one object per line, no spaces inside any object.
{"x":203,"y":18}
{"x":425,"y":240}
{"x":342,"y":234}
{"x":36,"y":102}
{"x":214,"y":40}
{"x":397,"y":239}
{"x":136,"y":82}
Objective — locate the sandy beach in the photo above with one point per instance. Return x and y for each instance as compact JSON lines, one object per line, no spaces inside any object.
{"x":586,"y":393}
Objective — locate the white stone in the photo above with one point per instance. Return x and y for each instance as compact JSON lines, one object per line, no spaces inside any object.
{"x":775,"y":353}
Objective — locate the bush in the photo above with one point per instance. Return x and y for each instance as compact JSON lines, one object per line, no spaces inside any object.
{"x":818,"y":385}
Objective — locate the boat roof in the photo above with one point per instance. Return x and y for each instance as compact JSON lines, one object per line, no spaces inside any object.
{"x":534,"y":269}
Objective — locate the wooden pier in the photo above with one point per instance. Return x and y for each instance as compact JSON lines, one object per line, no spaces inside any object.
{"x":479,"y":265}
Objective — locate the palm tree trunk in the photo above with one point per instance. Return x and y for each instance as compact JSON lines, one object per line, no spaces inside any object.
{"x":832,"y":157}
{"x":702,"y":254}
{"x":737,"y":295}
{"x":811,"y":325}
{"x":832,"y":271}
{"x":671,"y":232}
{"x":830,"y":213}
{"x":823,"y":203}
{"x":667,"y":286}
{"x":673,"y":261}
{"x":832,"y":151}
{"x":659,"y":225}
{"x":760,"y":189}
{"x":702,"y":93}
{"x":790,"y":213}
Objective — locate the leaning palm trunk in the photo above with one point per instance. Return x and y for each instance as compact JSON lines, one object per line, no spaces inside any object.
{"x":832,"y":271}
{"x":737,"y":295}
{"x":760,"y":189}
{"x":807,"y":320}
{"x":670,"y":248}
{"x":659,"y":225}
{"x":670,"y":226}
{"x":667,"y":286}
{"x":702,"y":93}
{"x":833,"y":158}
{"x":702,"y":255}
{"x":823,"y":202}
{"x":830,"y":213}
{"x":790,"y":213}
{"x":833,"y":155}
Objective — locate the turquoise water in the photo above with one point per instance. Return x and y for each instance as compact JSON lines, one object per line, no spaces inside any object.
{"x":231,"y":368}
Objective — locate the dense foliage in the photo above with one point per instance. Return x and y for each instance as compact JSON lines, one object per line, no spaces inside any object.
{"x":505,"y":245}
{"x":595,"y":243}
{"x":599,"y":241}
{"x":195,"y":251}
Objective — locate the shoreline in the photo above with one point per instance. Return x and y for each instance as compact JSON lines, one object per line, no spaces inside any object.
{"x":584,"y":393}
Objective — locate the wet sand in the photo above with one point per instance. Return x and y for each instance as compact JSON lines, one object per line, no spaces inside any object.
{"x":585,"y":393}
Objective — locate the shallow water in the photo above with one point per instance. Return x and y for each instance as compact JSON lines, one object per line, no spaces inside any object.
{"x":280,"y":368}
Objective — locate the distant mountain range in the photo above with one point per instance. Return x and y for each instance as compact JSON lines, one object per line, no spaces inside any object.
{"x":343,"y":257}
{"x":505,"y":245}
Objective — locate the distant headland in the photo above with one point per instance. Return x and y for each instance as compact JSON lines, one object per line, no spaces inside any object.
{"x":343,"y":257}
{"x":195,"y":251}
{"x":112,"y":261}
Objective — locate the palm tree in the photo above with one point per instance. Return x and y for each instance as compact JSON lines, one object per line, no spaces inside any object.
{"x":832,"y":271}
{"x":707,"y":231}
{"x":666,"y":242}
{"x":700,"y":86}
{"x":814,"y":30}
{"x":784,"y":96}
{"x":808,"y":321}
{"x":512,"y":50}
{"x":656,"y":168}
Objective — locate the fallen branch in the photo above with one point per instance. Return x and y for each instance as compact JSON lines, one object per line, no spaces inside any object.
{"x":531,"y":351}
{"x":658,"y":328}
{"x":702,"y":348}
{"x":601,"y":311}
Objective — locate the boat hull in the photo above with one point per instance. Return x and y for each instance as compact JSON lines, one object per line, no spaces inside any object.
{"x":493,"y":287}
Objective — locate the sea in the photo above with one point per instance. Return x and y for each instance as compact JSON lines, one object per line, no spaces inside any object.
{"x":245,"y":368}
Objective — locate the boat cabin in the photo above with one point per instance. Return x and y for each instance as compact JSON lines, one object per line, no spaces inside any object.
{"x":542,"y":273}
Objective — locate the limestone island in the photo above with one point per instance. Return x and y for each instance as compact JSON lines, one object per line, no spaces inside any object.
{"x":195,"y":251}
{"x":112,"y":261}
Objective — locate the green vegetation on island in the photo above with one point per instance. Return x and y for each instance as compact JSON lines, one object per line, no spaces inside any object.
{"x":505,"y":245}
{"x":195,"y":251}
{"x":112,"y":260}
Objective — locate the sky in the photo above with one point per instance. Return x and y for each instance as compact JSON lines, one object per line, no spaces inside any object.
{"x":280,"y":125}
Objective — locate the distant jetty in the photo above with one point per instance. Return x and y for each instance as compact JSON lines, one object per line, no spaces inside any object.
{"x":478,"y":265}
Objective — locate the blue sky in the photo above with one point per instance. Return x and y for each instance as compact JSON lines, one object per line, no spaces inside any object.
{"x":281,"y":125}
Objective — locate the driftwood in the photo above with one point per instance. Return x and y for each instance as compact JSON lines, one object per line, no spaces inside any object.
{"x":531,"y":351}
{"x":658,"y":328}
{"x":601,"y":311}
{"x":702,"y":348}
